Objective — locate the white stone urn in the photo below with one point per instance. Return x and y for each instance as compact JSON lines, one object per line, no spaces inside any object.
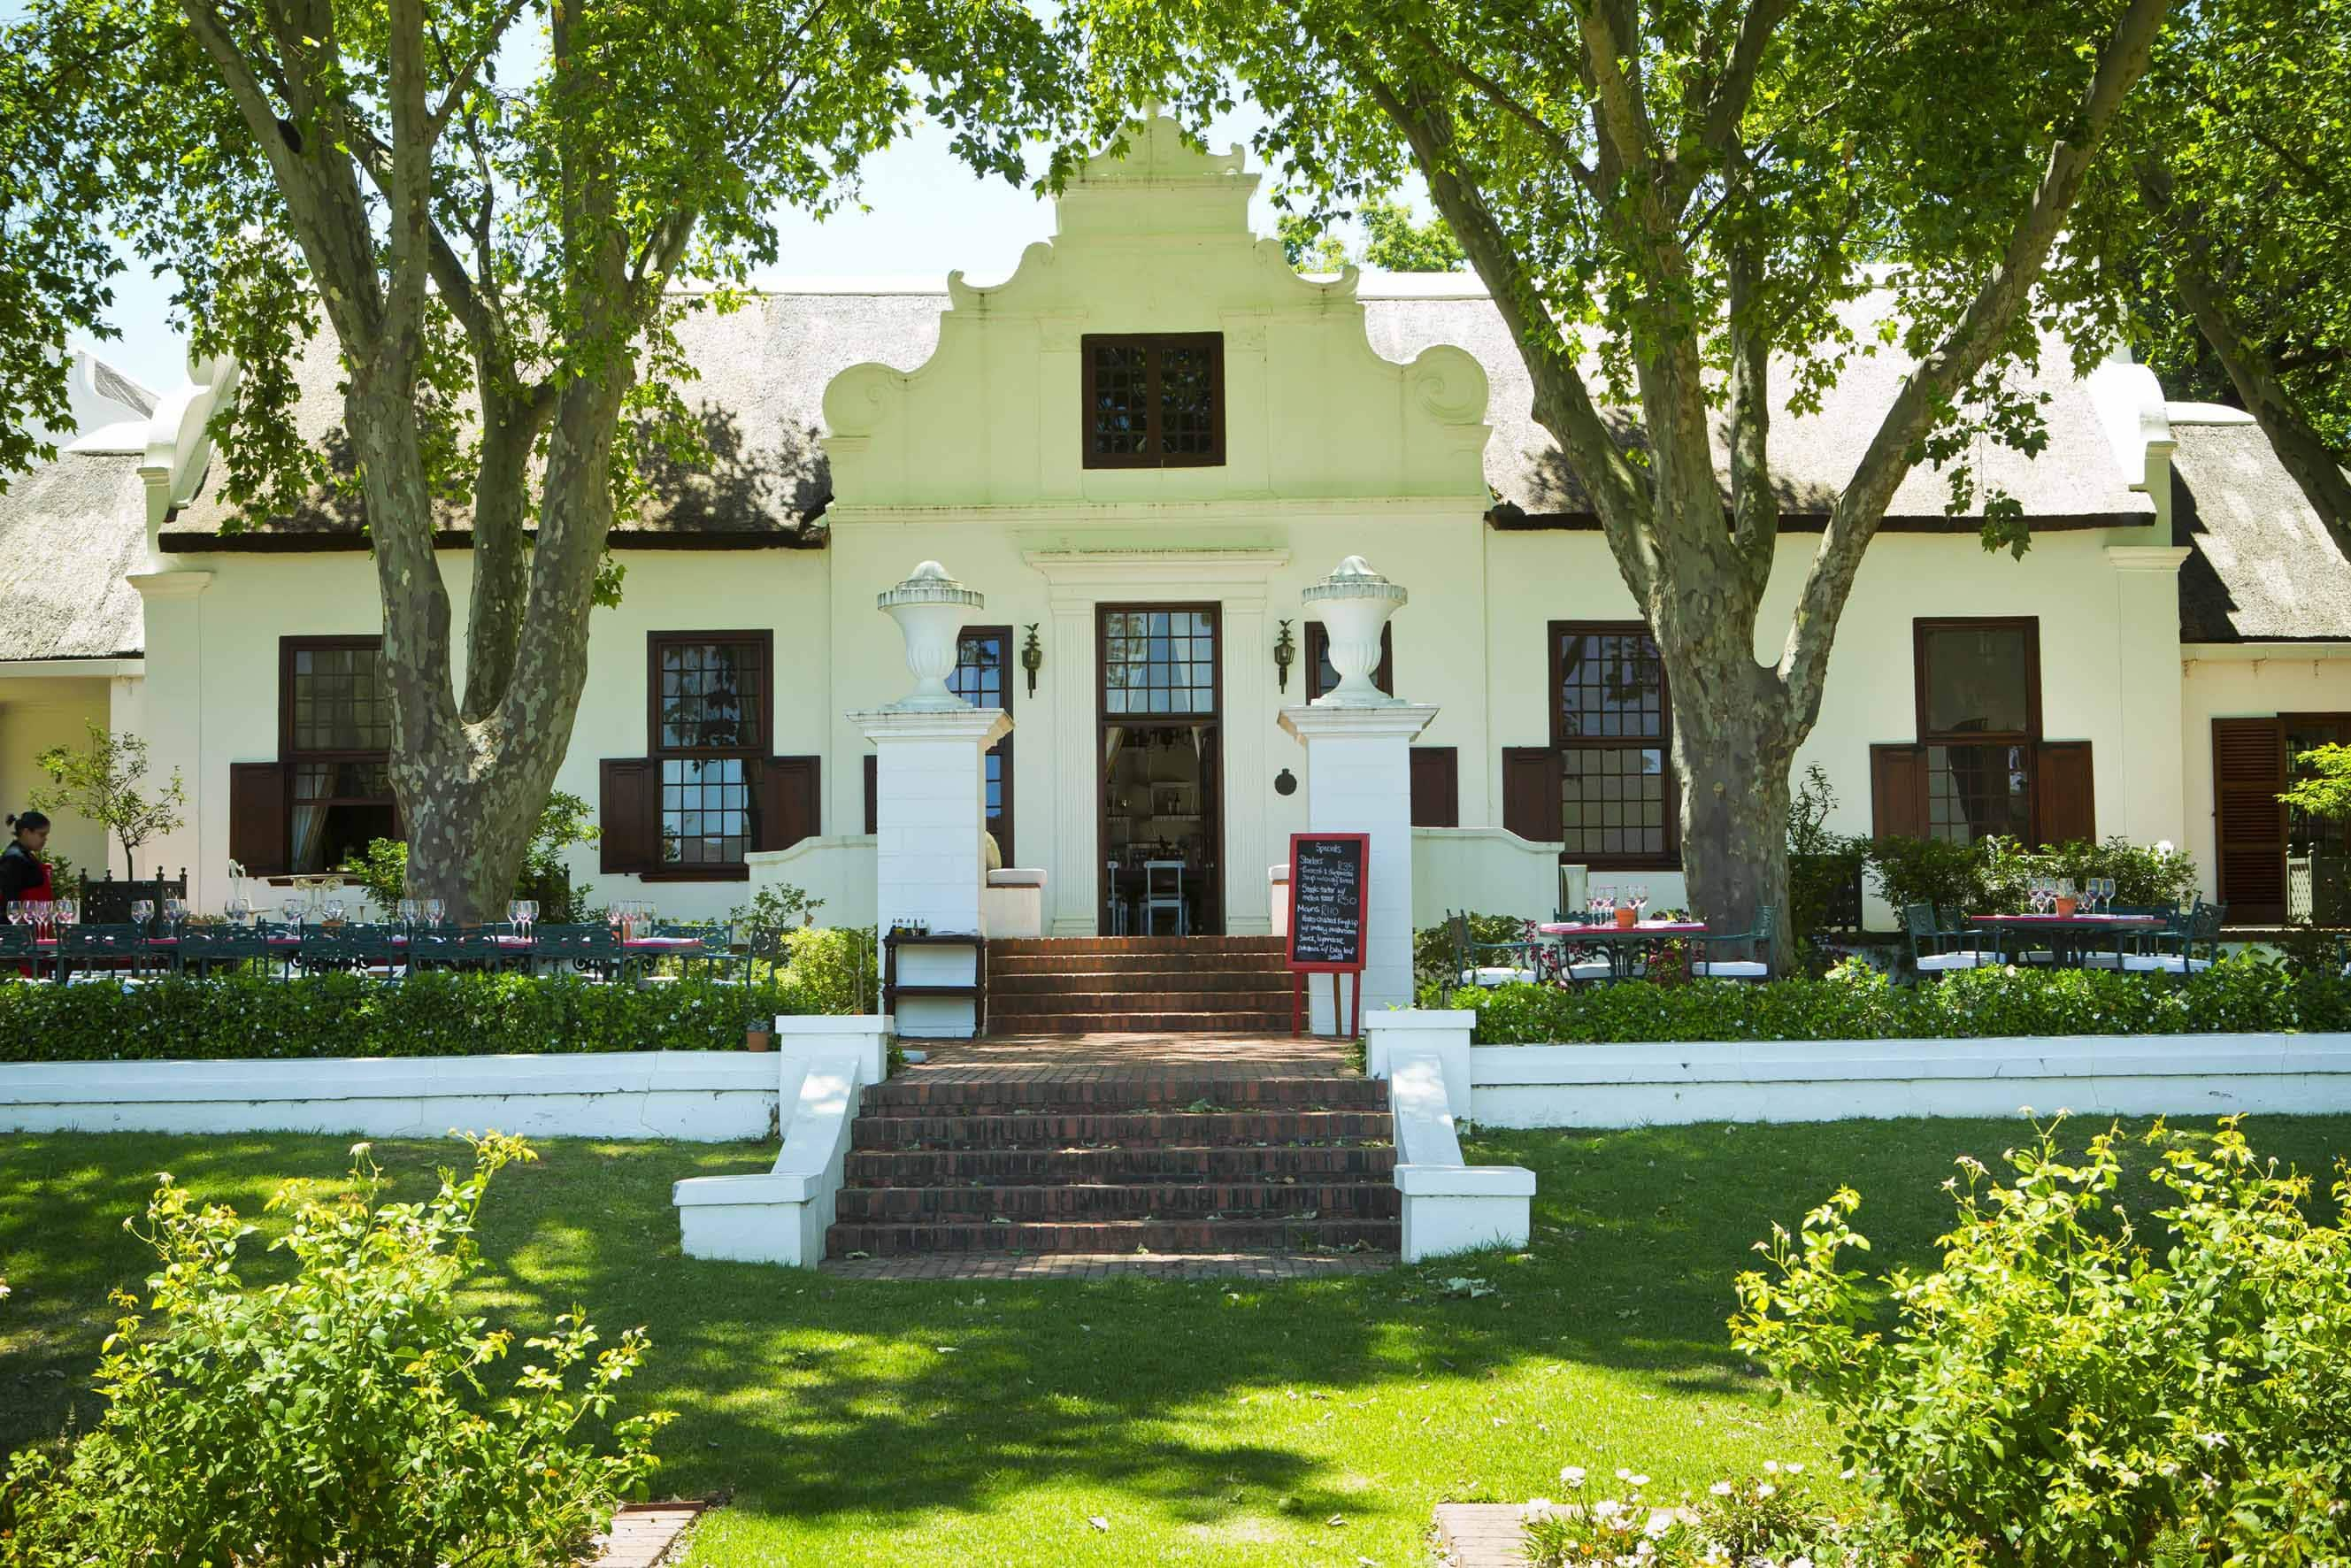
{"x":930,"y":608}
{"x":1355,"y":603}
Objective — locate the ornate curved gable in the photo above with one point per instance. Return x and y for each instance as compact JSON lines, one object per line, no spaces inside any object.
{"x":1155,"y":239}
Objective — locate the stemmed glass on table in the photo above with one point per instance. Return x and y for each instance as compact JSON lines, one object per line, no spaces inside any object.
{"x":142,"y":912}
{"x":522,"y":912}
{"x":1639,"y":894}
{"x":435,"y":911}
{"x":409,"y":910}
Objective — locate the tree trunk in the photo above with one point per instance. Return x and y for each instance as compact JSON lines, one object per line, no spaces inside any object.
{"x":1733,"y":757}
{"x":2315,"y":466}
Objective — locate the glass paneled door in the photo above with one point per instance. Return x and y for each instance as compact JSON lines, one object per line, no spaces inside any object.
{"x":982,"y":678}
{"x":1159,"y":773}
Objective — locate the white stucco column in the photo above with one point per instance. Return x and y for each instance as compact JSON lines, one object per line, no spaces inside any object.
{"x":930,"y":805}
{"x":172,"y":714}
{"x":1358,"y":742}
{"x":2149,"y":799}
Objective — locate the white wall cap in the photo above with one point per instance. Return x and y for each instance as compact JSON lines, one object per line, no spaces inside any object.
{"x":1017,"y":876}
{"x":776,"y":1186}
{"x":833,"y":1023}
{"x":2206,"y":414}
{"x":1461,"y":1019}
{"x":1465,"y":1181}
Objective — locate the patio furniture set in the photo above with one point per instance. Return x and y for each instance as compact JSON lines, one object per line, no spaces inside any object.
{"x":1607,"y":943}
{"x":2136,"y":939}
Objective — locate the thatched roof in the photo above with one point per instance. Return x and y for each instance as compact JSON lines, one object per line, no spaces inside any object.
{"x":763,"y":372}
{"x":2263,"y":567}
{"x":72,"y":530}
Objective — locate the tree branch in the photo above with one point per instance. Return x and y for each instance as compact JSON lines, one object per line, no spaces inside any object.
{"x":1854,"y":520}
{"x":1493,"y":91}
{"x":460,"y":80}
{"x":1726,"y":105}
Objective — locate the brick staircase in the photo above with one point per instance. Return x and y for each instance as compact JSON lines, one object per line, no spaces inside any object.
{"x":1088,"y":985}
{"x":1118,"y":1164}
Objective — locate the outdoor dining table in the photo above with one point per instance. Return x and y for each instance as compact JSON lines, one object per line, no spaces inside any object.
{"x":1623,"y":944}
{"x":2069,"y":935}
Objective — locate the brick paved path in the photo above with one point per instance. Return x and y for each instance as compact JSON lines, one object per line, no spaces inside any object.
{"x":643,"y":1534}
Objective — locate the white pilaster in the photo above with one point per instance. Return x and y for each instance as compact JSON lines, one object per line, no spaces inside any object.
{"x":2150,"y":802}
{"x":173,"y":713}
{"x":1359,"y":781}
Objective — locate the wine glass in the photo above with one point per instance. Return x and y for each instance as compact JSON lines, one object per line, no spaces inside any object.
{"x":68,"y":911}
{"x":239,"y":908}
{"x":175,"y":910}
{"x":407,"y":912}
{"x":331,"y":913}
{"x":529,"y":913}
{"x":1640,"y":896}
{"x":36,"y":913}
{"x":142,"y":910}
{"x":435,"y":911}
{"x":514,"y":914}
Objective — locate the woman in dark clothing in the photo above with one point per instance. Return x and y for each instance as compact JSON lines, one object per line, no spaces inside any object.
{"x":24,"y":875}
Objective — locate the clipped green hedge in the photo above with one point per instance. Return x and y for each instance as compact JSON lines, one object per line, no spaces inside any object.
{"x":2243,"y":994}
{"x":431,"y":1014}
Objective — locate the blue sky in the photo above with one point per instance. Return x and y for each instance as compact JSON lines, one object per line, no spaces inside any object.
{"x":923,"y":214}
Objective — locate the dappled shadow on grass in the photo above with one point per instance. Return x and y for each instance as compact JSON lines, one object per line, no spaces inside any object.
{"x":810,"y":1397}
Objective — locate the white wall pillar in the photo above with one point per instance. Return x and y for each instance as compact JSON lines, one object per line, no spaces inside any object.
{"x":931,"y":812}
{"x":174,"y":729}
{"x":1359,"y":781}
{"x":2147,"y":802}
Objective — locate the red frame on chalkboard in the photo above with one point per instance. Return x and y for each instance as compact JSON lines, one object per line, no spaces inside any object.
{"x":1363,"y":926}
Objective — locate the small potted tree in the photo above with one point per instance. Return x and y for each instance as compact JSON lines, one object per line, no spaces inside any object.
{"x":106,"y":782}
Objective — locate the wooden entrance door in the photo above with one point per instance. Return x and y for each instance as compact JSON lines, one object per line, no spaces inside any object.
{"x":1158,"y":774}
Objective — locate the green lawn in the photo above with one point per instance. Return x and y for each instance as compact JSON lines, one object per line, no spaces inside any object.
{"x":1227,"y":1423}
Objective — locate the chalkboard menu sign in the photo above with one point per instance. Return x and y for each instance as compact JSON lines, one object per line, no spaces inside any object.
{"x":1329,"y":891}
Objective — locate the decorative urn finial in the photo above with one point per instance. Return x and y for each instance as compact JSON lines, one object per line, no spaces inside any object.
{"x":1355,"y":603}
{"x":930,"y":608}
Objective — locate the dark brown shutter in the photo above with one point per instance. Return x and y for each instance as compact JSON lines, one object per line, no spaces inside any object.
{"x":2249,"y":769}
{"x":872,"y":794}
{"x":1898,"y":791}
{"x":1436,"y":786}
{"x":1531,"y":783}
{"x":256,"y":818}
{"x":628,"y":810}
{"x":789,"y":805}
{"x":2065,"y":795}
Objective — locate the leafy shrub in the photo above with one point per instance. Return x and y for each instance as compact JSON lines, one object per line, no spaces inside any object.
{"x":1858,"y":1003}
{"x":1822,"y":866}
{"x":2067,"y":1389}
{"x":827,"y":969}
{"x":343,"y":1416}
{"x":1432,"y":945}
{"x":435,"y":1013}
{"x":1990,"y":875}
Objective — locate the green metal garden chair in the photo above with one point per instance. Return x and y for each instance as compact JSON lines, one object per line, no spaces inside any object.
{"x":1937,"y":949}
{"x":1756,"y":943}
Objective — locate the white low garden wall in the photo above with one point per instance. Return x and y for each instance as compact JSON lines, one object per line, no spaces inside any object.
{"x":1652,"y":1083}
{"x":706,"y":1096}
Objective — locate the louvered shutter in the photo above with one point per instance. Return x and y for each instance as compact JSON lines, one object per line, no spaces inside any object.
{"x":872,"y":795}
{"x":1530,"y":782}
{"x":787,"y":801}
{"x":2249,"y":769}
{"x":256,"y":818}
{"x":1436,"y":786}
{"x":2065,"y":793}
{"x":1898,"y":791}
{"x":628,"y":810}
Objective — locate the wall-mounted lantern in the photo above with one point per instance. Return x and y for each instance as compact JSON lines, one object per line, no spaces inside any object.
{"x":1285,"y":653}
{"x":1032,"y":657}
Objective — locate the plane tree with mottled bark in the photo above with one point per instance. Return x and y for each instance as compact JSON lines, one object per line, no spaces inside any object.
{"x":490,"y":206}
{"x":1677,"y":204}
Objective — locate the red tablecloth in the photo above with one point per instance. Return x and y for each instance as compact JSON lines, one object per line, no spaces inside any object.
{"x":2062,"y":920}
{"x":1638,"y":928}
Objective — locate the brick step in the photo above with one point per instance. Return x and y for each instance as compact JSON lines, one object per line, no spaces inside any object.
{"x":1122,"y":1236}
{"x":1120,"y":1130}
{"x":1006,"y":966}
{"x":937,"y":1096}
{"x":1088,"y":1000}
{"x":1163,"y":1166}
{"x":1056,"y":946}
{"x":1251,"y":1021}
{"x":1123,"y":982}
{"x":1117,"y":1200}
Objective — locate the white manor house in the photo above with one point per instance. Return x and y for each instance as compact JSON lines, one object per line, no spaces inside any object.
{"x":1140,"y":449}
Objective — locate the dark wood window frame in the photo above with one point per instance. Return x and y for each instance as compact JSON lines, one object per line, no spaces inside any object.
{"x":1153,"y":343}
{"x":1002,"y":749}
{"x":1662,"y":742}
{"x":2028,"y":740}
{"x":1318,"y":650}
{"x":754,"y":756}
{"x":292,"y":757}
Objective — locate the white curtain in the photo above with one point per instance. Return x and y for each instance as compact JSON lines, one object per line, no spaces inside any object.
{"x":309,"y":825}
{"x":1112,"y":739}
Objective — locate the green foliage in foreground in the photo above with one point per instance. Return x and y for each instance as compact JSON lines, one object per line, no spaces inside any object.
{"x":2243,"y":994}
{"x":1208,"y":1423}
{"x":2079,"y":1382}
{"x":343,"y":1416}
{"x":436,"y":1013}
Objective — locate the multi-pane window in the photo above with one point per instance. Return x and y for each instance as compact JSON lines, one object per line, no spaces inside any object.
{"x":335,"y":721}
{"x":709,"y":722}
{"x":1154,"y":399}
{"x":982,"y":655}
{"x":1979,"y":721}
{"x":1613,"y":725}
{"x":1159,"y":662}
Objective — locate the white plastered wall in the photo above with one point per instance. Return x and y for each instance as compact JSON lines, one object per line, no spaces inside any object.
{"x":36,"y":714}
{"x":2245,"y":680}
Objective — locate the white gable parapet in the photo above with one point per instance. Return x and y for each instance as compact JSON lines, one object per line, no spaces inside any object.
{"x":178,"y":440}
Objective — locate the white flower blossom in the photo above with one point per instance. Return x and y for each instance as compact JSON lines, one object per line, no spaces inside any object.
{"x":1535,"y":1509}
{"x":1720,"y":1488}
{"x":1765,"y":1489}
{"x":1573,"y":1474}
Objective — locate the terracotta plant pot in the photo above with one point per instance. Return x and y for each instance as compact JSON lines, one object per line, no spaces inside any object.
{"x":1627,"y":915}
{"x":759,"y":1039}
{"x":2065,"y":907}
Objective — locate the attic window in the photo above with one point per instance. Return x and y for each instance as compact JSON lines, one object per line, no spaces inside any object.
{"x":1155,"y":400}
